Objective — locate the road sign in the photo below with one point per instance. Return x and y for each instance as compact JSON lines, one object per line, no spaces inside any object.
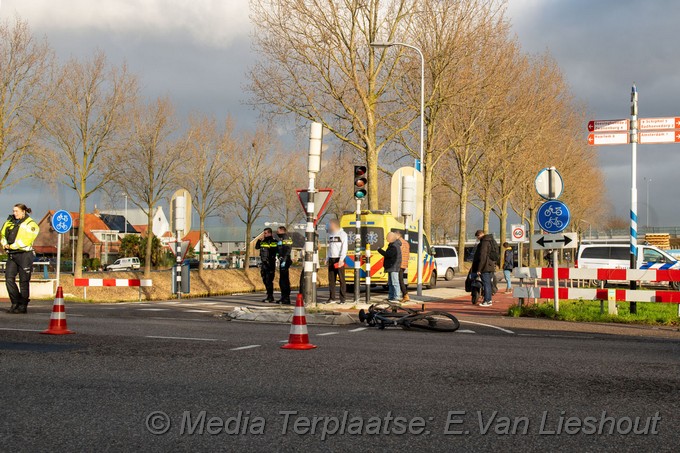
{"x":187,"y":212}
{"x":656,"y":137}
{"x":616,"y":138}
{"x":62,"y":221}
{"x":321,"y":200}
{"x":397,"y":192}
{"x":553,"y":216}
{"x":608,"y":125}
{"x":549,"y":183}
{"x":659,"y":123}
{"x":555,"y":241}
{"x":519,"y":233}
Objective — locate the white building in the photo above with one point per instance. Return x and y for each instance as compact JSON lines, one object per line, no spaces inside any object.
{"x":137,"y":218}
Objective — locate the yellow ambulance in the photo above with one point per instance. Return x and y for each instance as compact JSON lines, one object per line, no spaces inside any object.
{"x":374,"y":228}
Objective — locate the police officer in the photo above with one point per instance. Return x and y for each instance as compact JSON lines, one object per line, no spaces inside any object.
{"x":16,"y":237}
{"x":337,"y":251}
{"x":267,"y":247}
{"x":283,"y":250}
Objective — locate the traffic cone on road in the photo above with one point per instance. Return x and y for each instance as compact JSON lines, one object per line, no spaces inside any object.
{"x":58,"y":317}
{"x":298,"y":338}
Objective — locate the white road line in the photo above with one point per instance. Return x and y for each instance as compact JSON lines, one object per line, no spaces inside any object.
{"x":197,"y":311}
{"x":489,"y":325}
{"x":326,"y":334}
{"x":245,"y":347}
{"x":358,"y":329}
{"x":181,"y":338}
{"x":283,"y":341}
{"x":169,"y":303}
{"x":153,"y":309}
{"x":19,"y":330}
{"x":465,"y":331}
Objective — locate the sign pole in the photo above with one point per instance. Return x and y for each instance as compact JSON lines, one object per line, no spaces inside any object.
{"x":357,"y":254}
{"x":58,"y":257}
{"x":178,"y":266}
{"x":556,"y":282}
{"x":633,"y":188}
{"x":313,"y":167}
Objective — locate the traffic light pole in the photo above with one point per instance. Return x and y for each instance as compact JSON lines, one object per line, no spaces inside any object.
{"x":633,"y":190}
{"x":178,"y":267}
{"x":313,"y":167}
{"x":357,"y":254}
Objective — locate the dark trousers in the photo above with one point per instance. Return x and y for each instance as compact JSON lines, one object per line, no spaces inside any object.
{"x":487,"y":282}
{"x":402,"y":284}
{"x":267,"y":273}
{"x":334,"y":273}
{"x":20,"y":263}
{"x":284,"y":284}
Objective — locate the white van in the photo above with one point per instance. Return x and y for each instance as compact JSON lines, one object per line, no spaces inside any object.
{"x":124,"y":264}
{"x":446,"y":258}
{"x":617,"y":256}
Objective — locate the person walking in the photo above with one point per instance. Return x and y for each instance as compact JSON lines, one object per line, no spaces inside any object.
{"x":484,"y":263}
{"x":391,"y":265}
{"x":267,"y":247}
{"x":508,"y":265}
{"x":16,"y":237}
{"x":403,"y":268}
{"x":337,"y":251}
{"x":284,"y":246}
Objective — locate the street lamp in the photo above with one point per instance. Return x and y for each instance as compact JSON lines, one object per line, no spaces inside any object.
{"x":647,"y":180}
{"x":125,"y":220}
{"x":385,"y":45}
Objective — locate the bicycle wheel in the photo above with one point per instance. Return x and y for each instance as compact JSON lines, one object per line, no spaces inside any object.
{"x":438,"y":321}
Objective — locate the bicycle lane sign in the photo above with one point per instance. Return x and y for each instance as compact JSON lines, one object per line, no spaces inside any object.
{"x":553,"y":216}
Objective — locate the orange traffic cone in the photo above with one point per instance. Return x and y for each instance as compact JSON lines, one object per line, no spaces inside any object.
{"x":58,"y":316}
{"x":298,"y":338}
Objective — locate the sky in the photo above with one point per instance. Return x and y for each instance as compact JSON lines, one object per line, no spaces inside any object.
{"x":198,"y":51}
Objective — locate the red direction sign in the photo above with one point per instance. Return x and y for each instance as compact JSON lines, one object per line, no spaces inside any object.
{"x":658,"y":137}
{"x":618,"y":138}
{"x":323,"y":196}
{"x":659,"y":123}
{"x":608,"y":125}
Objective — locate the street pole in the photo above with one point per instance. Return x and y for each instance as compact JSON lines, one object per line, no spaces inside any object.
{"x":178,"y":266}
{"x":633,"y":189}
{"x":59,"y":236}
{"x":313,"y":167}
{"x":357,"y":253}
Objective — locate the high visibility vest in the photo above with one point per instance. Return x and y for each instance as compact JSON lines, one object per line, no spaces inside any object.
{"x":28,"y":231}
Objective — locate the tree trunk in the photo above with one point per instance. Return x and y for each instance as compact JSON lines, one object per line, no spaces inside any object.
{"x":532,"y":258}
{"x":149,"y":243}
{"x":372,"y":177}
{"x":504,"y":226}
{"x":78,"y":265}
{"x":427,"y":194}
{"x":462,"y":222}
{"x":249,"y":229}
{"x":201,"y":229}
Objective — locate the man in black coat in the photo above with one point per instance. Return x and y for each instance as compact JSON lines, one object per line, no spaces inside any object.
{"x":485,"y":262}
{"x":391,"y":265}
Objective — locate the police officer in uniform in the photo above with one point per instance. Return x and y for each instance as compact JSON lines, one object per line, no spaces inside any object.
{"x":16,"y":237}
{"x":284,"y":248}
{"x":267,"y":247}
{"x":337,"y":251}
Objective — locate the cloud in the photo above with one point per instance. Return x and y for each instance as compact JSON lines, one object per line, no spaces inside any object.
{"x":210,"y":22}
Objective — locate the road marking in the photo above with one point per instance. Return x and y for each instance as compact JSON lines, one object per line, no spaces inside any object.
{"x":489,"y":325}
{"x":169,"y":303}
{"x":245,"y":347}
{"x":326,"y":334}
{"x":465,"y":331}
{"x":358,"y":329}
{"x":196,"y":311}
{"x":74,"y":314}
{"x":152,"y":309}
{"x":181,"y":338}
{"x":283,"y":341}
{"x":19,"y":330}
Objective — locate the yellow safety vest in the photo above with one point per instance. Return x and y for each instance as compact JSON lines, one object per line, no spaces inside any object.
{"x":28,"y":231}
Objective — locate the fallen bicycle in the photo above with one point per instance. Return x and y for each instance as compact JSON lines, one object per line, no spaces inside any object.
{"x":388,"y":314}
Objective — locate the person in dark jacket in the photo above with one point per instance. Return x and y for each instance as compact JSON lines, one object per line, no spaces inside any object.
{"x":267,"y":247}
{"x":508,"y":265}
{"x":391,"y":265}
{"x":283,"y":250}
{"x":484,"y":264}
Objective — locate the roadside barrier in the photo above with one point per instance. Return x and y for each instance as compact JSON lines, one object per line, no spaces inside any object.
{"x":57,"y":324}
{"x":601,"y":294}
{"x":298,"y":337}
{"x":112,"y":282}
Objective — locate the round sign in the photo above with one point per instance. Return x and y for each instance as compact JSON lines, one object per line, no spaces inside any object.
{"x":553,"y":216}
{"x":518,"y":233}
{"x":62,"y":221}
{"x":549,"y":184}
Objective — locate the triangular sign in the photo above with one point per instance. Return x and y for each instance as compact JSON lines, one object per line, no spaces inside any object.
{"x":321,"y":200}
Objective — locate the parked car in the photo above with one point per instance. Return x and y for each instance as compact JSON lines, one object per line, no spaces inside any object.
{"x":191,"y":262}
{"x":446,"y":258}
{"x":224,"y":264}
{"x":124,"y":264}
{"x":254,"y":261}
{"x":211,"y":263}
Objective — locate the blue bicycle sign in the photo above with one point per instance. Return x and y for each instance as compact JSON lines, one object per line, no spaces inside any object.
{"x":553,"y":216}
{"x":62,"y":222}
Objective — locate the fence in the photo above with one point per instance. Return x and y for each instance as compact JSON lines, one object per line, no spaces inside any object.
{"x":112,"y":282}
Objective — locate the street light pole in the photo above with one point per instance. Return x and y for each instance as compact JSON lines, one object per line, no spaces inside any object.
{"x":647,"y":180}
{"x":422,"y":147}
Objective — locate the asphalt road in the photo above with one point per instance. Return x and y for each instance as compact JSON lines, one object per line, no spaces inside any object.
{"x":97,"y":390}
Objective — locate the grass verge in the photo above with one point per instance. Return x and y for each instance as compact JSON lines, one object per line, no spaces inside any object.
{"x":589,"y":311}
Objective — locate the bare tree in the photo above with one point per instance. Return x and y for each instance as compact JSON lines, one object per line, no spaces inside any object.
{"x":25,"y":69}
{"x":317,"y":65}
{"x":211,"y":172}
{"x":147,"y":169}
{"x":85,"y":127}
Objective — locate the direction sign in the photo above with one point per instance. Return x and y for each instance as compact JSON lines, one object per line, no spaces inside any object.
{"x":553,"y":216}
{"x":616,"y":138}
{"x":549,"y":183}
{"x":555,"y":241}
{"x":62,"y":221}
{"x":321,"y":199}
{"x":519,"y":233}
{"x":608,"y":125}
{"x":659,"y":123}
{"x":656,"y":137}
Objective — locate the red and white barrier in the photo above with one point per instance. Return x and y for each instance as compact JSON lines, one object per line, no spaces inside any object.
{"x":622,"y":295}
{"x":570,"y":273}
{"x":118,"y":282}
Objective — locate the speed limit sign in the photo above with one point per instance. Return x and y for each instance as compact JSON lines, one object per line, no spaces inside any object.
{"x":519,"y":233}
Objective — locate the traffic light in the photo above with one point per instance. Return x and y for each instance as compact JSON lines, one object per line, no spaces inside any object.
{"x":360,"y":182}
